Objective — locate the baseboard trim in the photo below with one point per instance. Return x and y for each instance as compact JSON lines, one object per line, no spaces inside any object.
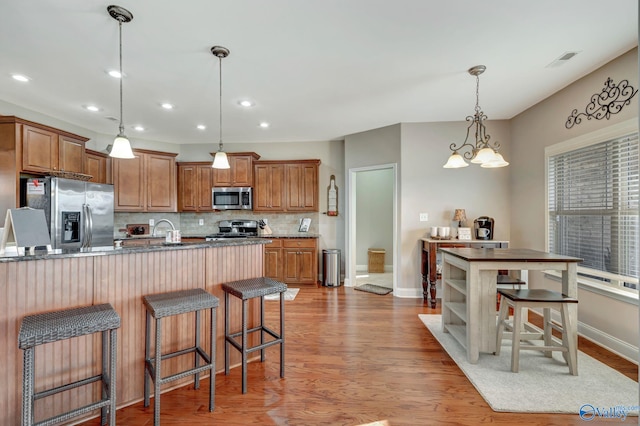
{"x":611,"y":343}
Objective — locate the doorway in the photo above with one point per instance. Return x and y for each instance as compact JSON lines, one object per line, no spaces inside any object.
{"x":372,"y":222}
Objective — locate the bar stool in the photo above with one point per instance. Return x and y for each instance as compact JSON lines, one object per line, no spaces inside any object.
{"x":164,"y":305}
{"x":51,"y":327}
{"x":246,"y":290}
{"x":547,"y":300}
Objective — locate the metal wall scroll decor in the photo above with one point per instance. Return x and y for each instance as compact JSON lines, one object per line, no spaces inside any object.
{"x":609,"y":101}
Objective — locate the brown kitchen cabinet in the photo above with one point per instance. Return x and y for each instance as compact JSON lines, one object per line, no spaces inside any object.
{"x":302,"y":186}
{"x":300,"y":260}
{"x":37,"y":146}
{"x":292,"y":260}
{"x":98,"y":165}
{"x":195,"y":180}
{"x":274,"y":260}
{"x":286,"y":186}
{"x":240,"y":171}
{"x":268,"y":187}
{"x":146,"y":183}
{"x":45,"y":150}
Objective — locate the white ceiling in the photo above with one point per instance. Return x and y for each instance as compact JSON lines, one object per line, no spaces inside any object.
{"x":317,"y":70}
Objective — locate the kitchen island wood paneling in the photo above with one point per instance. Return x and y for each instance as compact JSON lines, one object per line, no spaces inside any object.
{"x":120,"y":277}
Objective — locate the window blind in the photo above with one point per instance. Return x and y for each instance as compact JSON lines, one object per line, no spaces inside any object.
{"x":593,"y":195}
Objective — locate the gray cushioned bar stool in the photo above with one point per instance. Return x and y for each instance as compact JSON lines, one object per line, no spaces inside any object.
{"x":163,"y":305}
{"x":246,"y":290}
{"x":538,"y":298}
{"x":51,"y":327}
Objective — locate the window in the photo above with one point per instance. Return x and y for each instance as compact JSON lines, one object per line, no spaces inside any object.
{"x":593,"y":193}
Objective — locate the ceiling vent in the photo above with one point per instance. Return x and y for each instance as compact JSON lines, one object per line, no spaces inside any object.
{"x":563,"y":59}
{"x":112,"y":118}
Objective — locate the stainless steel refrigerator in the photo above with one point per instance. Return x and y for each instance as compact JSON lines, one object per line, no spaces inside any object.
{"x":79,"y":214}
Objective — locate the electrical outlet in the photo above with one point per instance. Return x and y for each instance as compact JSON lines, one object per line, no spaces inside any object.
{"x":152,"y":222}
{"x":266,"y":221}
{"x":424,"y":217}
{"x":201,"y":222}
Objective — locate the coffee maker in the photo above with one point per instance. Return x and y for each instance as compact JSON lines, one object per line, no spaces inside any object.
{"x":483,"y":228}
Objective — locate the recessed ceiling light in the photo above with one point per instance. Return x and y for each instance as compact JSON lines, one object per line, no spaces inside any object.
{"x":92,"y":108}
{"x":138,"y":128}
{"x":264,"y":124}
{"x":115,"y":73}
{"x":201,"y":126}
{"x":246,"y":103}
{"x":20,"y":77}
{"x":167,"y":105}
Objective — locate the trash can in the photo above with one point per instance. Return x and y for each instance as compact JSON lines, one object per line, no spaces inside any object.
{"x":331,"y":267}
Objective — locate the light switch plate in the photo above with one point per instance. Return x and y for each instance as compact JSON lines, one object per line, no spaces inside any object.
{"x":424,"y":217}
{"x":201,"y":222}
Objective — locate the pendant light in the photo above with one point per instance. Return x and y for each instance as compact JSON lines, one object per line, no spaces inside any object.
{"x":220,"y":161}
{"x":121,"y":147}
{"x":481,"y":151}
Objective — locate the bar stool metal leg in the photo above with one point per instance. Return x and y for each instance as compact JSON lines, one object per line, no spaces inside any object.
{"x":196,"y":376}
{"x":226,"y":333}
{"x":113,"y":343}
{"x":158,"y":376}
{"x":262,"y":330}
{"x":281,"y":334}
{"x":244,"y":346}
{"x":212,"y":351}
{"x":27,"y":386}
{"x":147,"y":353}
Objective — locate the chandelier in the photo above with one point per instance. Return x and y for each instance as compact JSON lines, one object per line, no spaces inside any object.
{"x":482,"y":151}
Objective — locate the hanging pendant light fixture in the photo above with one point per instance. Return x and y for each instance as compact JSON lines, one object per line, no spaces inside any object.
{"x":220,"y":161}
{"x":121,"y":147}
{"x":482,"y":151}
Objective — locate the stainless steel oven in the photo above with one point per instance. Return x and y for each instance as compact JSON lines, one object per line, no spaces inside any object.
{"x":232,"y":198}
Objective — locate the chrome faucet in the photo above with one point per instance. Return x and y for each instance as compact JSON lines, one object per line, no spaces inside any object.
{"x":153,"y":232}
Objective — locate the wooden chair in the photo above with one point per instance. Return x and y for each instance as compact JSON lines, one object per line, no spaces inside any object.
{"x":547,"y":300}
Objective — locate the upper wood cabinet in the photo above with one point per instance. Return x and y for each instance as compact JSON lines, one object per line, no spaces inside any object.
{"x":268,"y":186}
{"x":33,"y":148}
{"x":286,"y":186}
{"x":240,"y":172}
{"x":302,"y":186}
{"x":98,"y":165}
{"x":195,"y":180}
{"x":45,"y":150}
{"x":146,"y":183}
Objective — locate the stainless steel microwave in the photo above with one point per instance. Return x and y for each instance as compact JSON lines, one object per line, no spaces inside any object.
{"x":232,"y":198}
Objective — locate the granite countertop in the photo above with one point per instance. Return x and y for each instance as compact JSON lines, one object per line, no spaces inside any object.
{"x":274,"y":235}
{"x":293,"y":235}
{"x":109,"y":250}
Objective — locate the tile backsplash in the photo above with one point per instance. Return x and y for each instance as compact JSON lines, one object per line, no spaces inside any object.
{"x":189,"y":223}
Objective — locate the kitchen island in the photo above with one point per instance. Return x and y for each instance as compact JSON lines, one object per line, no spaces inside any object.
{"x":65,"y":279}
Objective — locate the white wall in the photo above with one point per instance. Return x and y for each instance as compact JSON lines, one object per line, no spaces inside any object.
{"x":544,"y":125}
{"x":362,"y":150}
{"x":429,"y":188}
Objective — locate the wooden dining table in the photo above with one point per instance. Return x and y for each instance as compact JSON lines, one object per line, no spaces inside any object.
{"x":469,"y":291}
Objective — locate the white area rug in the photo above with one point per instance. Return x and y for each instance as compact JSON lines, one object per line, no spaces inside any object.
{"x":290,"y":294}
{"x":543,"y":385}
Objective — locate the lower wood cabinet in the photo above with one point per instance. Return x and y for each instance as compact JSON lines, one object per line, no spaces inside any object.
{"x":292,"y":260}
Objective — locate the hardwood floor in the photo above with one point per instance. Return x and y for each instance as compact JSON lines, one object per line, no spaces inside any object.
{"x":351,"y":358}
